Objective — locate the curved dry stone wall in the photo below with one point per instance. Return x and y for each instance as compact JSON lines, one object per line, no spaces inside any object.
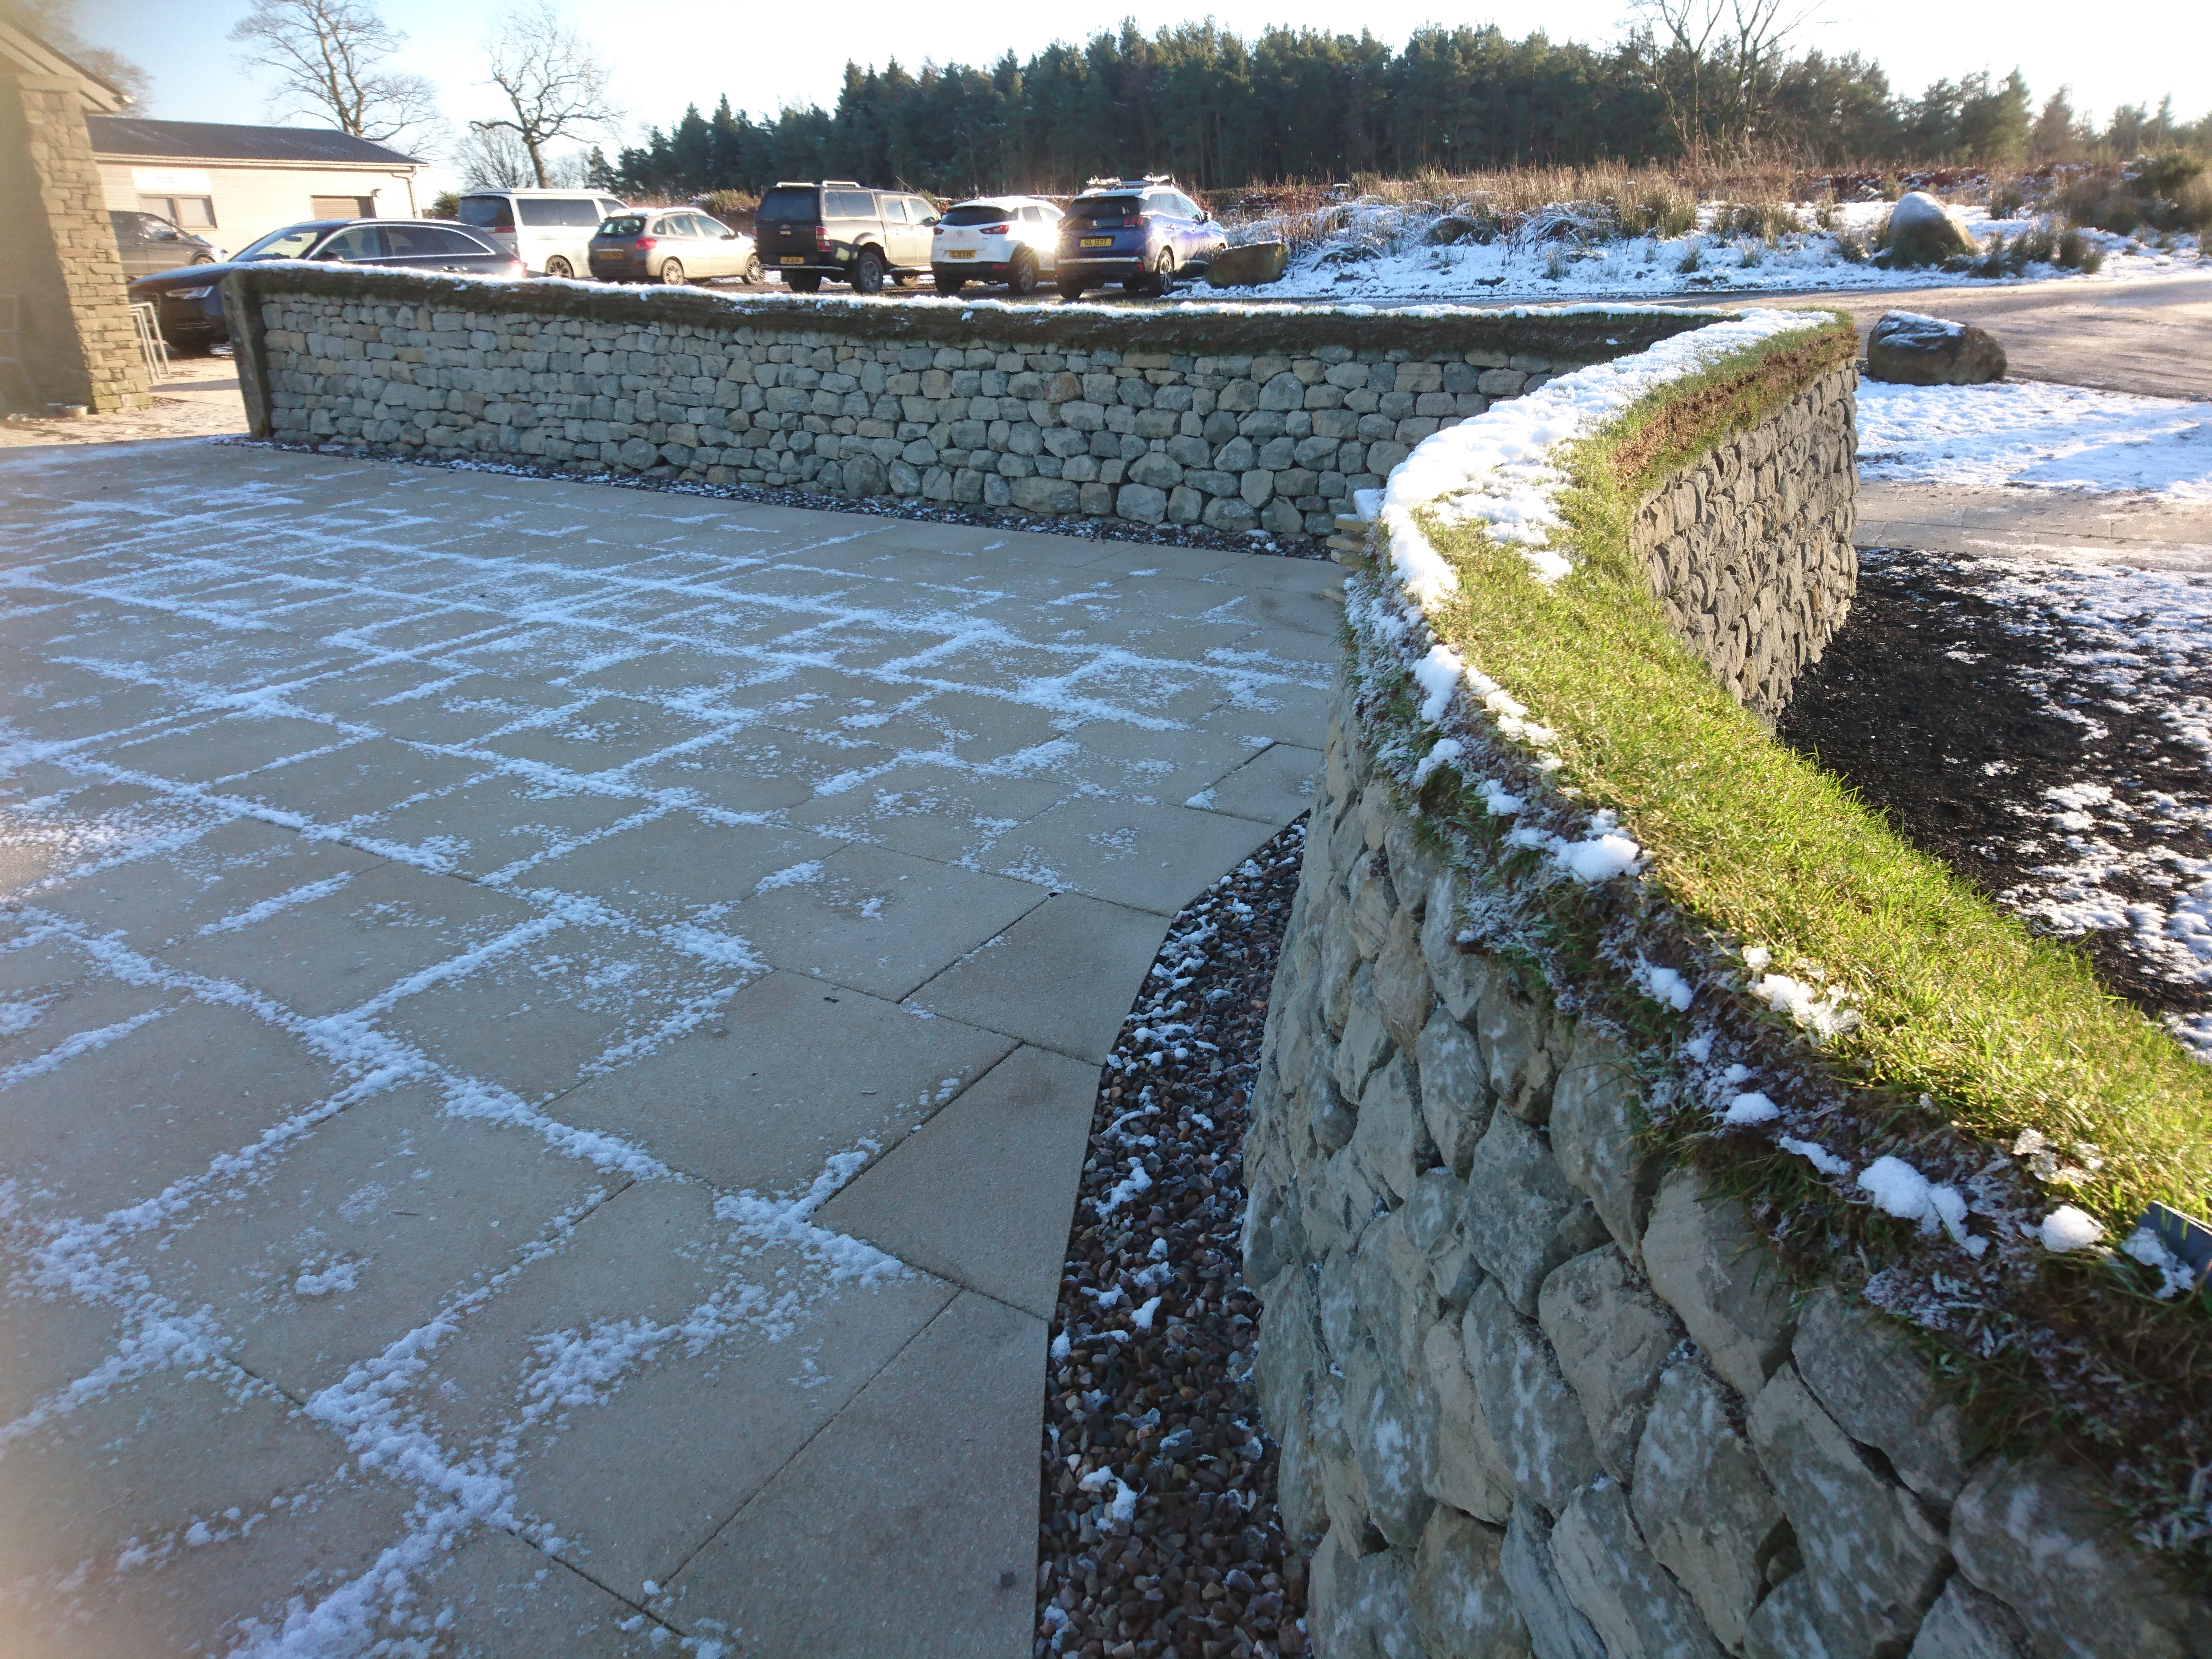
{"x":1749,"y":549}
{"x":1537,"y":1396}
{"x":1236,"y":418}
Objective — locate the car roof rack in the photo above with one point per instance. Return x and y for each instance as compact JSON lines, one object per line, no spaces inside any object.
{"x":1150,"y":179}
{"x":846,"y":184}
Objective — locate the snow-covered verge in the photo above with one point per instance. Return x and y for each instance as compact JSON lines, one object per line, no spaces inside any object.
{"x":1755,"y":1060}
{"x":2036,"y":437}
{"x":1382,"y":249}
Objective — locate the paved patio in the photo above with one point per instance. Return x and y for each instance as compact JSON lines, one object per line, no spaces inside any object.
{"x":548,"y":1036}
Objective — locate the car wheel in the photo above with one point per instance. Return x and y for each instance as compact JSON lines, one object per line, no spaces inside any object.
{"x":948,"y":282}
{"x":1069,"y":289}
{"x":1022,"y":272}
{"x":907,"y":278}
{"x":868,"y":272}
{"x":803,"y":281}
{"x":671,"y":274}
{"x":204,"y":260}
{"x":1164,"y":276}
{"x":557,"y":266}
{"x":753,"y":276}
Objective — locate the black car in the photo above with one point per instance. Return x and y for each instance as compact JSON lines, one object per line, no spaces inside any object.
{"x":148,"y":243}
{"x":189,"y":302}
{"x":843,"y":231}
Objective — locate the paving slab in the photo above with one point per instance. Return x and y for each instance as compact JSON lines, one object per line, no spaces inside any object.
{"x":791,"y":1074}
{"x":601,"y":994}
{"x":1049,"y":978}
{"x":909,"y":1525}
{"x":980,"y":1194}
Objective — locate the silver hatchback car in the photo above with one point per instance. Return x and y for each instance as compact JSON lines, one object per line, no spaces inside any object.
{"x":670,"y":245}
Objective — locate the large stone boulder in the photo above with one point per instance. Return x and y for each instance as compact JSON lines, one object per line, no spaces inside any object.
{"x":1912,"y":350}
{"x":1922,"y":231}
{"x":1248,"y":266}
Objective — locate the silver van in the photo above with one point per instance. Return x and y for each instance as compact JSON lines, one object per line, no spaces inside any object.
{"x":549,"y":230}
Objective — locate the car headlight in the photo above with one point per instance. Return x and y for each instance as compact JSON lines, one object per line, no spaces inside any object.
{"x":191,"y":293}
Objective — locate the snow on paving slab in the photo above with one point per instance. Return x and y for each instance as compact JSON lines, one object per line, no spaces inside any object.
{"x":368,"y":833}
{"x":2036,"y":437}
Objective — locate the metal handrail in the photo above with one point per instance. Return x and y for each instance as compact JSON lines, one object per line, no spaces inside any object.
{"x":151,"y":346}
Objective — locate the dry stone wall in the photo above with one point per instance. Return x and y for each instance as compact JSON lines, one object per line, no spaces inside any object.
{"x":1538,"y":1396}
{"x":1749,"y":549}
{"x":1228,"y":417}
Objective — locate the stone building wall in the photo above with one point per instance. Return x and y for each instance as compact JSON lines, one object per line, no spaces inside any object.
{"x":1233,"y":418}
{"x":1749,"y":551}
{"x":59,"y":257}
{"x":1536,"y":1395}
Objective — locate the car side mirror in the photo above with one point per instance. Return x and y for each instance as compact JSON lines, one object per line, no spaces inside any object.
{"x":931,"y":220}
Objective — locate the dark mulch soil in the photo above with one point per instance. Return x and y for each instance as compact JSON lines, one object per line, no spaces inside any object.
{"x":880,"y":507}
{"x":1954,"y":709}
{"x":1151,"y":1400}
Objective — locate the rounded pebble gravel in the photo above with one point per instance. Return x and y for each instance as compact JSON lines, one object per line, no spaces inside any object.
{"x":1159,"y":1532}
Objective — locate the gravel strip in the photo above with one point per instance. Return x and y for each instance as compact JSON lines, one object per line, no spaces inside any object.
{"x":878,"y":507}
{"x":1159,"y":1533}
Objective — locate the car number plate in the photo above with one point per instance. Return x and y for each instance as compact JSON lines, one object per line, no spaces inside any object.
{"x":793,"y":259}
{"x":1097,"y":242}
{"x":960,"y":253}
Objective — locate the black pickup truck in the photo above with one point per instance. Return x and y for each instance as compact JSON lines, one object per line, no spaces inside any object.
{"x":845,"y":232}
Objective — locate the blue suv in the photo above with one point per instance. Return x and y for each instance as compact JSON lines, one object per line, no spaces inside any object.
{"x":1144,"y":234}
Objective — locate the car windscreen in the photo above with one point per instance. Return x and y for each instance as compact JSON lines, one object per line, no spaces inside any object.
{"x":976,"y":213}
{"x":624,"y":224}
{"x":1103,"y":209}
{"x":487,"y":212}
{"x":788,"y":207}
{"x":288,"y":243}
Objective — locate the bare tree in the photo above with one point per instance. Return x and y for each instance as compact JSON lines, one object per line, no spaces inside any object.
{"x":493,"y":158}
{"x":330,"y":57}
{"x":554,"y":84}
{"x":1713,"y":64}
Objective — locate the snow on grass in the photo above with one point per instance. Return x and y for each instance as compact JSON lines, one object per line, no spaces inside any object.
{"x":1382,"y":251}
{"x":2030,"y":436}
{"x":1498,"y":472}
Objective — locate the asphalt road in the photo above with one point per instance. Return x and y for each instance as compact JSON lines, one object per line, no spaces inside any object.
{"x":2153,"y":337}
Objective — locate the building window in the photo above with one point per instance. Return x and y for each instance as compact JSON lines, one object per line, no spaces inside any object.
{"x":344,"y":207}
{"x":187,"y":212}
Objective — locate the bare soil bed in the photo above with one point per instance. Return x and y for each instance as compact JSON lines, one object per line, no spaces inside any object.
{"x":1158,"y":1532}
{"x":2043,"y":729}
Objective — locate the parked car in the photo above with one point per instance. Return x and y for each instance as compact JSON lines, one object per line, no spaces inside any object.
{"x":188,"y":301}
{"x":549,"y":230}
{"x":1012,"y":239}
{"x":842,"y":230}
{"x":671,"y":244}
{"x":148,"y":243}
{"x":1144,"y":234}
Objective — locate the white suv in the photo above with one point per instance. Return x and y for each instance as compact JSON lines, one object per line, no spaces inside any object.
{"x":1013,"y":239}
{"x":549,"y":230}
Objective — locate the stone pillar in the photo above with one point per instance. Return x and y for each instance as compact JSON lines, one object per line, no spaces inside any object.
{"x":59,"y":256}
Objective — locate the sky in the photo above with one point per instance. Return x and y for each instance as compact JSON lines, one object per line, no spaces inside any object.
{"x":672,"y":52}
